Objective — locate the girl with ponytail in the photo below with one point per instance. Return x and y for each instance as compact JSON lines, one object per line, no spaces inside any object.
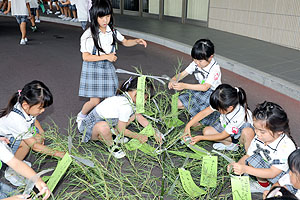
{"x":235,"y":124}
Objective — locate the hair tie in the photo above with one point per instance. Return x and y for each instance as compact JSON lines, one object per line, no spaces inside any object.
{"x":128,"y":82}
{"x":237,"y":89}
{"x":19,"y":92}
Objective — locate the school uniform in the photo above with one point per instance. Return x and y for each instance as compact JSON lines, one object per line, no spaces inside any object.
{"x":112,"y":110}
{"x":234,"y":122}
{"x":275,"y":154}
{"x":17,"y":126}
{"x":19,"y":10}
{"x":33,"y":6}
{"x":5,"y":156}
{"x":196,"y":101}
{"x":98,"y":79}
{"x":286,"y":181}
{"x":83,"y":7}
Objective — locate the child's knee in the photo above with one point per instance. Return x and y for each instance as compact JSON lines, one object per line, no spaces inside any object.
{"x":247,"y":134}
{"x":208,"y":130}
{"x":180,"y":105}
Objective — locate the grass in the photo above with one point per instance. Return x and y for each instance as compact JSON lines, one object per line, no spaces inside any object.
{"x":138,"y":175}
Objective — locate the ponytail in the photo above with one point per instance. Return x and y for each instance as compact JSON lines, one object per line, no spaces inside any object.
{"x":33,"y":93}
{"x":225,"y":95}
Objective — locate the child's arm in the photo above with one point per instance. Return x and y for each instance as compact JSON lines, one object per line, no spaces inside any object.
{"x":133,"y":42}
{"x":28,"y":8}
{"x":8,"y":8}
{"x":23,"y":169}
{"x":188,"y":86}
{"x":215,"y":137}
{"x":177,"y":78}
{"x":91,"y":58}
{"x":271,"y":172}
{"x":202,"y":114}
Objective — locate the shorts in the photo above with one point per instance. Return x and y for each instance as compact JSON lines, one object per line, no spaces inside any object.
{"x":21,"y":18}
{"x":87,"y":125}
{"x":83,"y":24}
{"x":54,"y":0}
{"x":62,"y":6}
{"x":33,"y":11}
{"x":72,"y":7}
{"x":14,"y":144}
{"x":235,"y":138}
{"x":6,"y":191}
{"x":257,"y":161}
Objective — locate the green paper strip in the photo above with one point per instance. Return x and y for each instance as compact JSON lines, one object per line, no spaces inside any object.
{"x":59,"y":171}
{"x":240,"y":188}
{"x":133,"y":144}
{"x":201,"y":150}
{"x":188,"y":184}
{"x":185,"y":154}
{"x":147,"y":149}
{"x":174,"y":105}
{"x":209,"y":171}
{"x":42,"y":7}
{"x":173,"y":122}
{"x":45,"y":178}
{"x":140,"y":96}
{"x":148,"y":130}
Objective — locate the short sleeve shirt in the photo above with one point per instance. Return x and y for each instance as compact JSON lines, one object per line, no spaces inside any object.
{"x":210,"y":74}
{"x":276,"y":153}
{"x":6,"y":155}
{"x":18,"y":7}
{"x":233,"y":121}
{"x":33,"y":4}
{"x":120,"y":107}
{"x":285,"y":180}
{"x":15,"y":125}
{"x":106,"y":39}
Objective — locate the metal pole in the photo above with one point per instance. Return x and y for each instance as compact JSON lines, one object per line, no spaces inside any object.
{"x":161,"y":9}
{"x":184,"y":11}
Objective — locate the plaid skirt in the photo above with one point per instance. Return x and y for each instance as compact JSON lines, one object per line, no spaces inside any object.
{"x":87,"y":125}
{"x":196,"y":101}
{"x":98,"y":79}
{"x":257,"y":161}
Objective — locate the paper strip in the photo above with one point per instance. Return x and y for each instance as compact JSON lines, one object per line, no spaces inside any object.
{"x":140,"y":96}
{"x":209,"y":171}
{"x":188,"y":184}
{"x":133,"y":144}
{"x":240,"y":188}
{"x":173,"y":122}
{"x":184,"y":154}
{"x":174,"y":105}
{"x":148,"y":130}
{"x":147,"y":149}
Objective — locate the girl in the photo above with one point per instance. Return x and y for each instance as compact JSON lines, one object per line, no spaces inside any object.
{"x":98,"y":46}
{"x":207,"y":71}
{"x":18,"y":120}
{"x":235,"y":121}
{"x":268,"y":153}
{"x":7,"y":157}
{"x":115,"y":112}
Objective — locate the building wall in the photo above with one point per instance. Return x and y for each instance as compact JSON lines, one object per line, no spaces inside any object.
{"x":275,"y":21}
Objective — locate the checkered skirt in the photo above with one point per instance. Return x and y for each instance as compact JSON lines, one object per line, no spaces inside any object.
{"x":98,"y":79}
{"x":196,"y":101}
{"x":257,"y":161}
{"x":87,"y":125}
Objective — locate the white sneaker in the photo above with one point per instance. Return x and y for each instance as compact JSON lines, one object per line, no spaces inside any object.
{"x":121,"y":140}
{"x":37,"y":21}
{"x":68,"y":18}
{"x":57,"y":13}
{"x":116,"y":152}
{"x":255,"y":187}
{"x":23,"y":42}
{"x":76,"y":20}
{"x":72,"y":20}
{"x":61,"y":16}
{"x":15,"y":178}
{"x":221,"y":147}
{"x":26,"y":40}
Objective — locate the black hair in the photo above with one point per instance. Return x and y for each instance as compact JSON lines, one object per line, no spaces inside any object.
{"x":225,"y":95}
{"x":294,"y":161}
{"x":101,"y":8}
{"x":203,"y":49}
{"x":286,"y":195}
{"x":33,"y":93}
{"x":131,"y":84}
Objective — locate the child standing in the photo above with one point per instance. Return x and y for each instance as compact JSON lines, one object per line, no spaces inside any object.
{"x":83,"y":7}
{"x":98,"y":46}
{"x":7,"y":157}
{"x":208,"y":74}
{"x":268,"y":153}
{"x":235,"y":122}
{"x":33,"y":10}
{"x":18,"y":120}
{"x":21,"y":10}
{"x":114,"y":114}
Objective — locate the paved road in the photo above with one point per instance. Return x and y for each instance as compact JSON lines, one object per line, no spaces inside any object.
{"x":53,"y":56}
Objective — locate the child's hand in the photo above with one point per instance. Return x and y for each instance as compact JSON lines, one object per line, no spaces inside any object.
{"x":195,"y":139}
{"x":19,"y":197}
{"x":187,"y":132}
{"x":59,"y":154}
{"x":6,"y":12}
{"x":142,"y":138}
{"x":171,"y":84}
{"x":230,"y":167}
{"x":265,"y":194}
{"x":111,"y":57}
{"x":238,"y":169}
{"x":4,"y":139}
{"x":43,"y":189}
{"x":141,"y":42}
{"x":178,"y":86}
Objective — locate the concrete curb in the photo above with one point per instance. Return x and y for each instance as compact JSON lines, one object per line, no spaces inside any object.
{"x":248,"y":72}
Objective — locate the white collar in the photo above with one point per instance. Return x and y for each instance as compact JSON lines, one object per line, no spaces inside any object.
{"x":108,"y":30}
{"x":208,"y":67}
